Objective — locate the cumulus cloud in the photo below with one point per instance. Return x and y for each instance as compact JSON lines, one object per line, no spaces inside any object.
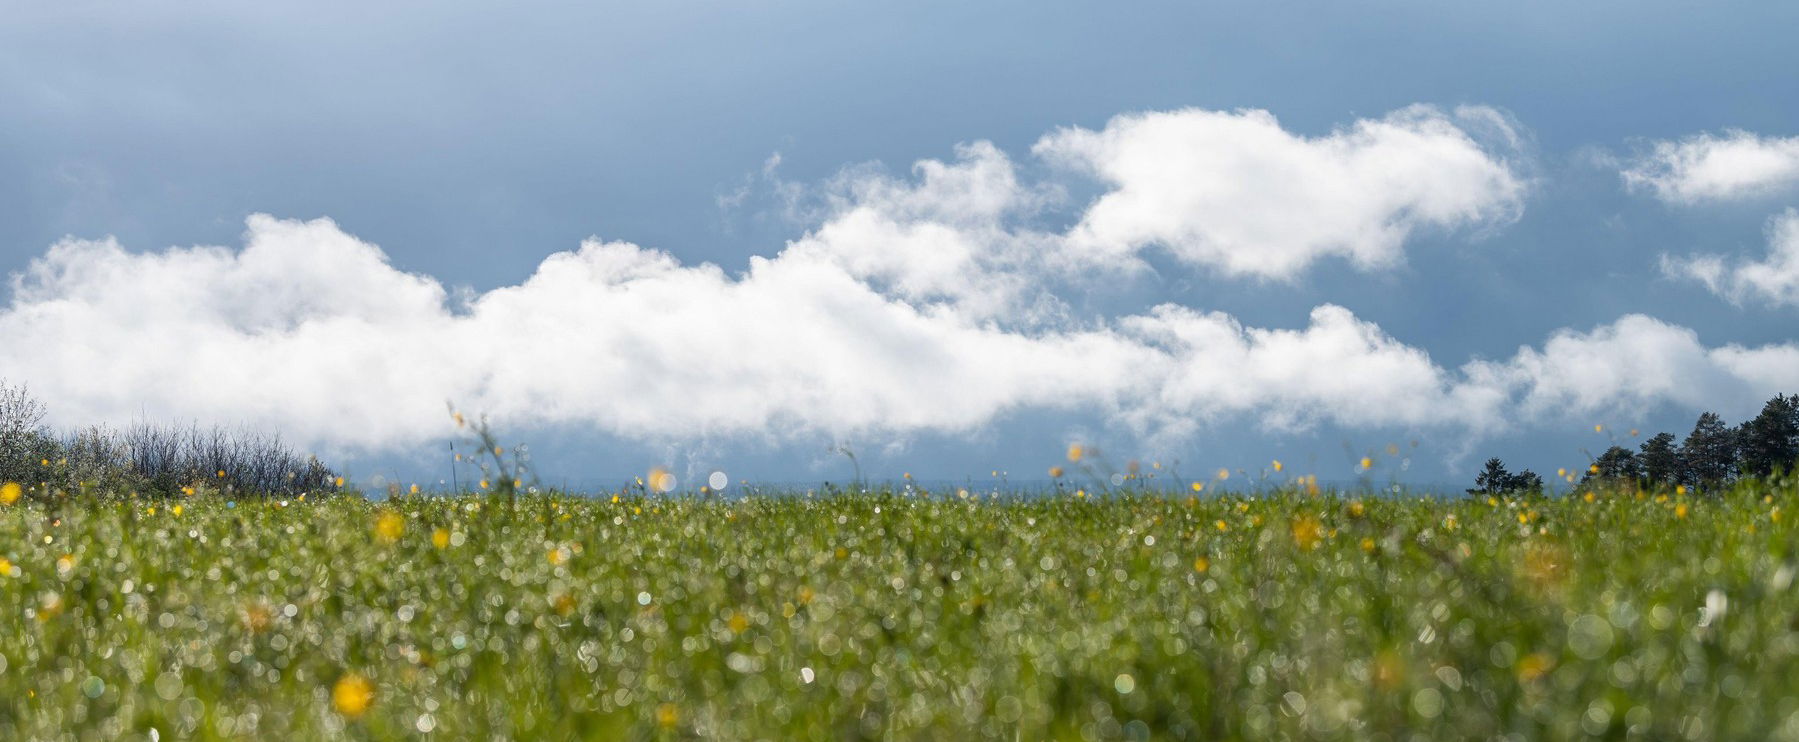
{"x":1236,"y":192}
{"x":915,"y":303}
{"x":1634,"y":363}
{"x":1774,"y":279}
{"x":1715,"y":167}
{"x":311,"y":332}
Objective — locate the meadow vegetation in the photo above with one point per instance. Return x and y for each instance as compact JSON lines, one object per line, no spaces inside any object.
{"x":904,"y":614}
{"x":235,"y":590}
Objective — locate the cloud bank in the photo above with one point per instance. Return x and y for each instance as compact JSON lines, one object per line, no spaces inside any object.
{"x":1773,"y":280}
{"x":921,"y":303}
{"x":1715,"y":167}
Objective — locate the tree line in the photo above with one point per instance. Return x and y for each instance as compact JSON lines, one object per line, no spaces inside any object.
{"x":1711,"y":457}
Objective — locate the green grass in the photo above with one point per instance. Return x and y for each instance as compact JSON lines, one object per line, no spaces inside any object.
{"x":901,"y":617}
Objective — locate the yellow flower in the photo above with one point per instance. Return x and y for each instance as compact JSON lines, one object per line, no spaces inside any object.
{"x":1368,"y":545}
{"x":483,"y":484}
{"x":339,"y":481}
{"x":1593,"y":469}
{"x":1075,"y":451}
{"x":1598,"y":428}
{"x":1202,"y":564}
{"x":661,"y":480}
{"x":1221,"y":525}
{"x":1680,"y":489}
{"x":1680,"y":511}
{"x":667,"y":716}
{"x":9,"y":493}
{"x":5,"y":567}
{"x":1561,"y":472}
{"x":390,"y":527}
{"x":1307,"y":532}
{"x":352,"y":695}
{"x":440,"y":538}
{"x":1588,"y":497}
{"x":176,"y":510}
{"x":1199,"y":486}
{"x":1224,"y":473}
{"x":1277,"y":465}
{"x":1356,"y":509}
{"x":1055,"y":472}
{"x":558,"y":555}
{"x":221,"y":473}
{"x":1534,"y":666}
{"x":414,"y":489}
{"x":1367,"y":463}
{"x":738,"y":623}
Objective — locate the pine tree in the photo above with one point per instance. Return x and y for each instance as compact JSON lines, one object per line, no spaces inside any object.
{"x":1771,"y":440}
{"x":1708,"y":455}
{"x":1526,"y":481}
{"x":1617,"y":464}
{"x":1660,"y":460}
{"x":1493,"y":479}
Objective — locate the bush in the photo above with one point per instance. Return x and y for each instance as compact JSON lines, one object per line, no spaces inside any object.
{"x":146,"y":459}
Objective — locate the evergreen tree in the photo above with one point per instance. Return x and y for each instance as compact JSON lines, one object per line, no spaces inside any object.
{"x":1771,"y":440}
{"x":1617,"y":464}
{"x":1660,"y":460}
{"x":1526,"y":481}
{"x":1708,"y":455}
{"x":1493,"y":479}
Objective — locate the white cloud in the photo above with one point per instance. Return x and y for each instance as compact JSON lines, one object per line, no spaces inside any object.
{"x":1236,"y":192}
{"x":1773,"y":279}
{"x":1716,"y":167}
{"x":1635,"y":363}
{"x":311,"y":332}
{"x":922,"y":303}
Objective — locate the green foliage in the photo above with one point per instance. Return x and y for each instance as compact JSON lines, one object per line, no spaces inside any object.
{"x":1495,"y":479}
{"x":1708,"y":455}
{"x":1285,"y":616}
{"x":1770,"y":442}
{"x":1660,"y":459}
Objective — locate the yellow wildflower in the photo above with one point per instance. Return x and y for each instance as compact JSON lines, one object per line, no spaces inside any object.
{"x":352,"y":695}
{"x":1307,"y":532}
{"x":10,"y":492}
{"x":390,"y":527}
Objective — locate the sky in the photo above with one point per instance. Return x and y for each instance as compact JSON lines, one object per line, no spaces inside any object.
{"x":951,"y":238}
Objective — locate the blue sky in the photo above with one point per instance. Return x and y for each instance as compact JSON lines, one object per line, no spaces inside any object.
{"x":463,"y":146}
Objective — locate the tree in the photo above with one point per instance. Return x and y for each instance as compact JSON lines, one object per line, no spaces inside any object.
{"x":1660,"y":459}
{"x":1771,"y":440}
{"x":1617,"y":464}
{"x":1526,"y":481}
{"x":1708,"y":457}
{"x":1494,"y":479}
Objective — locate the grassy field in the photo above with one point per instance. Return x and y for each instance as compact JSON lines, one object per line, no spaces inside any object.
{"x":898,"y":616}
